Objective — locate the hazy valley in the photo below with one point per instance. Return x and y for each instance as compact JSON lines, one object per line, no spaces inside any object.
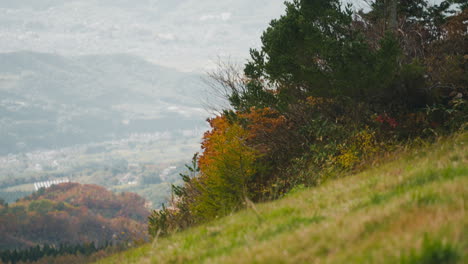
{"x":112,"y":120}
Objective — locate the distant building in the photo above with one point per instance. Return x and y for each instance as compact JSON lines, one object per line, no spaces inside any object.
{"x":47,"y":184}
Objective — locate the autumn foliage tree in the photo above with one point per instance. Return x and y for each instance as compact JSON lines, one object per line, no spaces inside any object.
{"x":227,"y":165}
{"x":328,"y":89}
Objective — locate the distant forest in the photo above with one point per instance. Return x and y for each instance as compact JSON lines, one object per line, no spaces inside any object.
{"x":73,"y":214}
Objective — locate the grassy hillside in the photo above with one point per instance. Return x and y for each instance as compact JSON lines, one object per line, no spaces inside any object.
{"x":409,"y":210}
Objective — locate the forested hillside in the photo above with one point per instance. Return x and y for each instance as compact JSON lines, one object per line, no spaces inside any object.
{"x":72,"y":214}
{"x":328,"y":92}
{"x":343,"y":139}
{"x":410,"y":208}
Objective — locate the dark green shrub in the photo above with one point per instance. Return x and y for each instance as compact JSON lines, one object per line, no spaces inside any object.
{"x":433,"y":251}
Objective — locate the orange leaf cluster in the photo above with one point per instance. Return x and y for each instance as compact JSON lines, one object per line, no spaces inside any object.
{"x":219,"y":126}
{"x":262,"y":122}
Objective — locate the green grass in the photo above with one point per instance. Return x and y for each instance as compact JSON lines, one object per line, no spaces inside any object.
{"x":432,"y":252}
{"x":409,"y":210}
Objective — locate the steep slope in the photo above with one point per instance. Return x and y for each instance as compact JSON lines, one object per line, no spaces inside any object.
{"x":409,"y":210}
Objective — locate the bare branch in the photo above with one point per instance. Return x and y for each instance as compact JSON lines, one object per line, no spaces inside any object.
{"x":226,"y":80}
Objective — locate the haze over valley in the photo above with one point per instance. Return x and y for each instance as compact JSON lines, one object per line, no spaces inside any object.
{"x":111,"y":92}
{"x":69,"y":116}
{"x":183,"y":34}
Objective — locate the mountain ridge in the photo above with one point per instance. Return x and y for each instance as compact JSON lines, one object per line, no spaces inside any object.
{"x":91,"y":98}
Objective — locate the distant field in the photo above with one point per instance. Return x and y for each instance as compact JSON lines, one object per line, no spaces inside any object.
{"x":409,"y":210}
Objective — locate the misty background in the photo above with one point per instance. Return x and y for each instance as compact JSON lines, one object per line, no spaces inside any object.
{"x":183,"y":34}
{"x":110,"y":92}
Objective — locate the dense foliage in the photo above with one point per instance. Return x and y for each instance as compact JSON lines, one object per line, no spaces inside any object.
{"x":328,"y":90}
{"x":73,"y":214}
{"x":35,"y":254}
